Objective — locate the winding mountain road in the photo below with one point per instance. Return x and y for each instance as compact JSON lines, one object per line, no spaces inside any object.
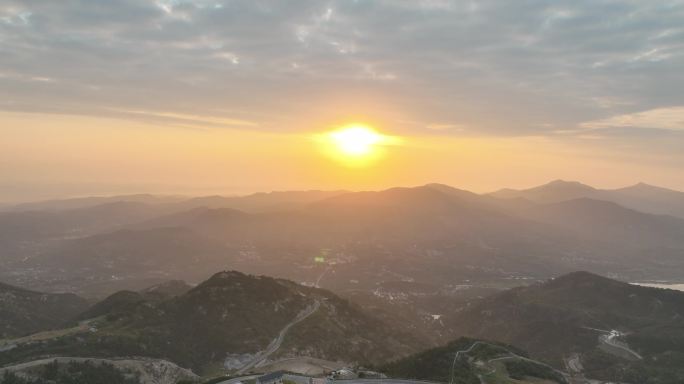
{"x":261,"y":356}
{"x":610,"y":340}
{"x":512,"y":355}
{"x":317,"y":284}
{"x":459,"y":354}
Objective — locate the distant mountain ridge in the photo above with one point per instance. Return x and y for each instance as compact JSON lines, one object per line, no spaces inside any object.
{"x":256,"y":202}
{"x":606,"y":220}
{"x":91,"y":201}
{"x":641,"y":197}
{"x":262,"y":201}
{"x":424,"y":232}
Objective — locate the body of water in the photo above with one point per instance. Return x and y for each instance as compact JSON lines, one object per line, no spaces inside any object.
{"x":677,"y":287}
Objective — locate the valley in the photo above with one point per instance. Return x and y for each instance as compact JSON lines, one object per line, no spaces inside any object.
{"x":350,"y":279}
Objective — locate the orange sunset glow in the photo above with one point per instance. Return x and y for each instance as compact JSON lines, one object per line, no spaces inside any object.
{"x":341,"y":192}
{"x":325,"y":98}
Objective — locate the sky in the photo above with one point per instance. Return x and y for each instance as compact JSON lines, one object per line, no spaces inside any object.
{"x":228,"y":97}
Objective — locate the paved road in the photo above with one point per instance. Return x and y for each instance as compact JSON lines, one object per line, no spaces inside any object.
{"x":318,"y":281}
{"x":261,"y":357}
{"x":458,"y":355}
{"x":512,"y":355}
{"x":574,"y":363}
{"x":383,"y":381}
{"x":239,"y":379}
{"x":342,"y":381}
{"x":275,"y":344}
{"x":610,"y":340}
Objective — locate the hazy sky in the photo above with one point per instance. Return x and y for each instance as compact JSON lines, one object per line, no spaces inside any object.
{"x":174,"y":96}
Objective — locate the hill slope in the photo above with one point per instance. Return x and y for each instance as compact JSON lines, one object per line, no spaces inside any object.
{"x":649,"y":198}
{"x":90,"y":265}
{"x":610,"y":222}
{"x":231,"y":314}
{"x":23,"y":311}
{"x":575,"y":313}
{"x":470,"y":361}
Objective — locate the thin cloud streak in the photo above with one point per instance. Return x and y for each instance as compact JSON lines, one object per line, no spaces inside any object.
{"x":671,"y":118}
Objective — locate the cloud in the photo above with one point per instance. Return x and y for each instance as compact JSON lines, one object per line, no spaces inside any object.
{"x":498,"y":67}
{"x":446,"y":127}
{"x":186,"y":120}
{"x":670,"y":118}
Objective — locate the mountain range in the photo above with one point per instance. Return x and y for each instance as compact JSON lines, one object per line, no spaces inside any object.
{"x":432,"y":233}
{"x":640,"y":197}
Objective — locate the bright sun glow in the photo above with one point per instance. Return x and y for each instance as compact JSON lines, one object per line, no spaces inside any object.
{"x":356,"y":145}
{"x":356,"y":140}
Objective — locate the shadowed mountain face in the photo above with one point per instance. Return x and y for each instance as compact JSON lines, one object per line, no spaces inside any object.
{"x":23,"y":311}
{"x":649,"y":198}
{"x":231,"y":313}
{"x":471,"y":361}
{"x":123,"y":301}
{"x":610,"y":222}
{"x":571,"y":314}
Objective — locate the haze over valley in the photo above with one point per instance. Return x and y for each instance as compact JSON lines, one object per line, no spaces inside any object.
{"x":347,"y":241}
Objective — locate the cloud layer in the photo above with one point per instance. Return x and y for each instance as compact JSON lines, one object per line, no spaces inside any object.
{"x":528,"y":67}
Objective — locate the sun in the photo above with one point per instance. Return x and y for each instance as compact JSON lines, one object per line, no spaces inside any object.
{"x":355,"y":140}
{"x":356,"y":145}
